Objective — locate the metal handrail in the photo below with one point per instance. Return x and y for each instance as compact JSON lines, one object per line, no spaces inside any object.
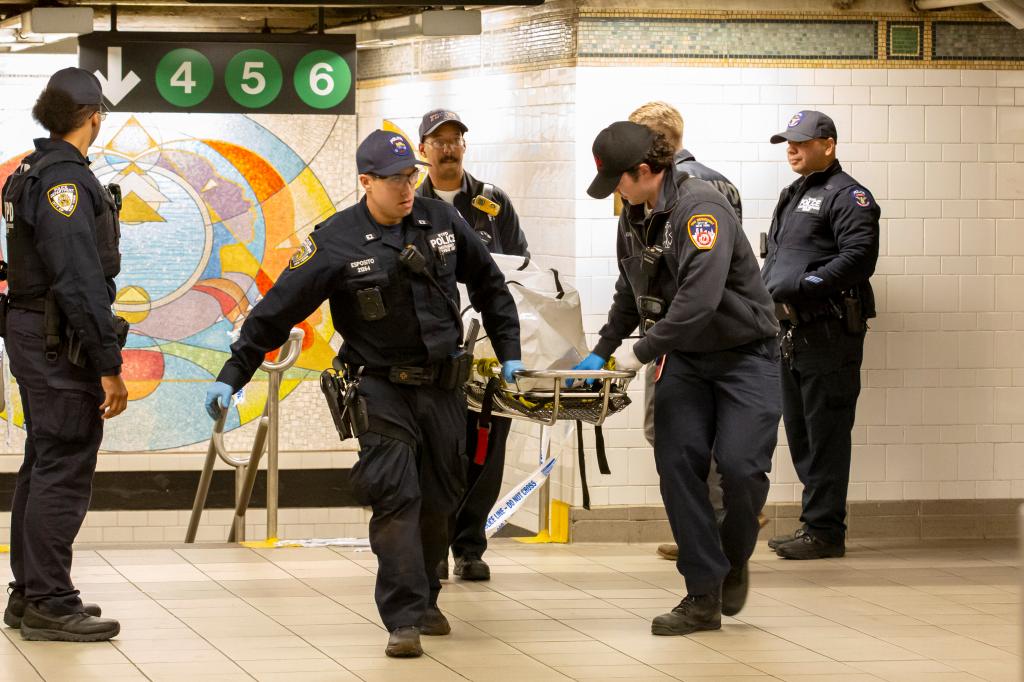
{"x":246,"y":469}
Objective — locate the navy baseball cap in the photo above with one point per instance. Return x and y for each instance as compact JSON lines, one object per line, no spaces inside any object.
{"x":385,"y":153}
{"x":807,"y":125}
{"x":432,"y":120}
{"x":618,"y":148}
{"x":80,"y":85}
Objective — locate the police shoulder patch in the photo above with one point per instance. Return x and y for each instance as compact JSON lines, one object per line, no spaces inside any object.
{"x":860,"y":197}
{"x":306,"y":250}
{"x":703,"y":231}
{"x":63,"y":198}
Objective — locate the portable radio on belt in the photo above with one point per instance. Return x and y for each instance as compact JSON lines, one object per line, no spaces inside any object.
{"x":491,"y":208}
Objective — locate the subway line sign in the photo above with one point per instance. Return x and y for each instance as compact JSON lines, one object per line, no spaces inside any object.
{"x":223,"y":72}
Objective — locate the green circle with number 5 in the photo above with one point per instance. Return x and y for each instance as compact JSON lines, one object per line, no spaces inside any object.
{"x":322,"y":79}
{"x":184,"y":77}
{"x":253,"y":78}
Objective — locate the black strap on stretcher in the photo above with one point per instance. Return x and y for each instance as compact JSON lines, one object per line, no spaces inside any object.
{"x":483,"y":431}
{"x":602,"y":459}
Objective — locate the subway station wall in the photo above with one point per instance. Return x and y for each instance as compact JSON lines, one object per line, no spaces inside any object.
{"x":937,"y":137}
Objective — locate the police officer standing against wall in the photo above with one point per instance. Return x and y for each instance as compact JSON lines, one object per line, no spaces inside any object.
{"x":389,"y":267}
{"x":489,"y":211}
{"x":62,"y":241}
{"x":822,"y":248}
{"x":688,"y":278}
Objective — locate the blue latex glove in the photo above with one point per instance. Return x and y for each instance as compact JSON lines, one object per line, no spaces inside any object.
{"x":591,"y":362}
{"x":510,"y":367}
{"x":218,"y":397}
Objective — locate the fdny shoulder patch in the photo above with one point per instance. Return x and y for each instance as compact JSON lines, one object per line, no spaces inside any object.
{"x":703,"y":231}
{"x":860,"y":197}
{"x":306,"y":250}
{"x":63,"y":198}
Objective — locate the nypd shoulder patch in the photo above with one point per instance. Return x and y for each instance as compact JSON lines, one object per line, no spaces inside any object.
{"x":860,"y":197}
{"x":306,"y":250}
{"x":703,"y":231}
{"x":63,"y":198}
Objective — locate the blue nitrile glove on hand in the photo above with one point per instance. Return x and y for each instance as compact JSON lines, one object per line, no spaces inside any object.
{"x":509,"y":369}
{"x":591,"y":362}
{"x":218,"y":397}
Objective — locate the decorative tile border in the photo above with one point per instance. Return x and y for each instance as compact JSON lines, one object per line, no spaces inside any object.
{"x":905,"y":40}
{"x":976,"y":41}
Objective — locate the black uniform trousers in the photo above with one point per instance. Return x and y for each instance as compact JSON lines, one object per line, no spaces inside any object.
{"x":411,"y":474}
{"x":819,"y":402}
{"x":483,"y":485}
{"x":63,"y":433}
{"x":730,"y":400}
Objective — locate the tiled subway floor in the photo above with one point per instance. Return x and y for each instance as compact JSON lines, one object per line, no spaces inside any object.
{"x":936,"y":612}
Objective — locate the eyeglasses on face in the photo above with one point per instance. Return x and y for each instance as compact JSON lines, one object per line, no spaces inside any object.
{"x":399,"y":180}
{"x":441,"y":145}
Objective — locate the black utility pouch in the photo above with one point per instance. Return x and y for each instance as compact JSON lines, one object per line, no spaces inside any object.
{"x":853,"y":315}
{"x":371,"y":304}
{"x":121,"y":328}
{"x":455,"y":370}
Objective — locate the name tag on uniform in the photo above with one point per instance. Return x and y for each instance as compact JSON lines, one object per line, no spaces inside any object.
{"x":809,"y":205}
{"x":361,"y":266}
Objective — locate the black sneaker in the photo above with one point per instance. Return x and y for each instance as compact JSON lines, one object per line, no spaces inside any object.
{"x":472,"y":568}
{"x":696,"y":612}
{"x":39,"y":626}
{"x":433,"y":623}
{"x":442,"y":569}
{"x":404,"y":643}
{"x":788,"y":537}
{"x":16,"y":604}
{"x":734,"y":590}
{"x":809,"y":547}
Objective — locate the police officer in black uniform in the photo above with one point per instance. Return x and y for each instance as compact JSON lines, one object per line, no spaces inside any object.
{"x":490,"y":212}
{"x":688,"y":278}
{"x":389,"y":267}
{"x":62,"y":241}
{"x":821,"y":250}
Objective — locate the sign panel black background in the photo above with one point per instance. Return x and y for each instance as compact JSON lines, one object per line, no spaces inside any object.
{"x":141,"y":52}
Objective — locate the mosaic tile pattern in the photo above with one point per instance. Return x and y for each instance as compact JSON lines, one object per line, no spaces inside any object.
{"x":976,"y":41}
{"x":905,"y":40}
{"x":664,"y":37}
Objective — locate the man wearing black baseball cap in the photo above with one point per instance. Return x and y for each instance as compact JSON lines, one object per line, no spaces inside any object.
{"x":489,"y":211}
{"x":62,"y":241}
{"x":389,"y":267}
{"x":821,"y":249}
{"x":688,"y":278}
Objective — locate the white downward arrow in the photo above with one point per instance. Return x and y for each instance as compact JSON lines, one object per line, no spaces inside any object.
{"x":116,"y":88}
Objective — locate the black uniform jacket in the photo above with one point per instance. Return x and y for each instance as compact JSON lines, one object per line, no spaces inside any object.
{"x":708,"y":275}
{"x":686,"y":162}
{"x":351,"y":259}
{"x":823,"y":240}
{"x":500,"y":233}
{"x":64,"y":237}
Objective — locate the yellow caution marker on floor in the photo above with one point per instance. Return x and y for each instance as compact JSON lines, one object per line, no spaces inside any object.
{"x":269,"y":543}
{"x":559,"y":531}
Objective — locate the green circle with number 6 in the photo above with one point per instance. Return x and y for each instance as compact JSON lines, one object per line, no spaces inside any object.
{"x":253,"y":78}
{"x":322,"y":79}
{"x":184,"y":77}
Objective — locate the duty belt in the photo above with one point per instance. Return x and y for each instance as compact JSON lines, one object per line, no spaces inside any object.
{"x":406,"y":376}
{"x":796,"y":315}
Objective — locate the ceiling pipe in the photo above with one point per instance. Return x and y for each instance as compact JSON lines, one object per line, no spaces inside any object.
{"x":941,"y":4}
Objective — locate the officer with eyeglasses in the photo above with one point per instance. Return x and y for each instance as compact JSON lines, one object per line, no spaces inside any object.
{"x":489,"y":210}
{"x":389,"y":267}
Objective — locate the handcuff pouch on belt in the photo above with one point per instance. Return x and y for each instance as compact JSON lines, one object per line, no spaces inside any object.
{"x":348,"y":408}
{"x":651,"y":308}
{"x":75,"y":348}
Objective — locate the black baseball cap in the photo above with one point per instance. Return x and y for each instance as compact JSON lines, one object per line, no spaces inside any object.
{"x":618,"y":148}
{"x":385,"y":153}
{"x":432,"y":120}
{"x":80,"y":85}
{"x":807,"y":125}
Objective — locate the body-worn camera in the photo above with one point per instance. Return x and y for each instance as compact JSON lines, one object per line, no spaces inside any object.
{"x":491,"y":208}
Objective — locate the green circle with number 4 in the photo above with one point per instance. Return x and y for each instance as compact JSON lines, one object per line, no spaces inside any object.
{"x":184,"y":77}
{"x":253,"y":78}
{"x":323,"y":79}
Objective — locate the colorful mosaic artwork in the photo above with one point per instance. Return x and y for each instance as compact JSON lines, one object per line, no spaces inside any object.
{"x":213,"y":209}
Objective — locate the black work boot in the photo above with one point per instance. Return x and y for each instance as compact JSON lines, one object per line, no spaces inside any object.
{"x":788,"y":537}
{"x":696,"y":612}
{"x":809,"y":547}
{"x":40,"y":626}
{"x":471,"y":567}
{"x":404,"y":643}
{"x":442,"y":569}
{"x":433,"y":623}
{"x":734,"y":589}
{"x":16,"y":604}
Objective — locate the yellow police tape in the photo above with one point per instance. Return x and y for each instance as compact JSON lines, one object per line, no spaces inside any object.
{"x":558,"y":520}
{"x":269,"y":543}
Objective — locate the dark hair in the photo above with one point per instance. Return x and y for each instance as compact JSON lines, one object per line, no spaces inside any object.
{"x":660,"y":155}
{"x":58,"y":113}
